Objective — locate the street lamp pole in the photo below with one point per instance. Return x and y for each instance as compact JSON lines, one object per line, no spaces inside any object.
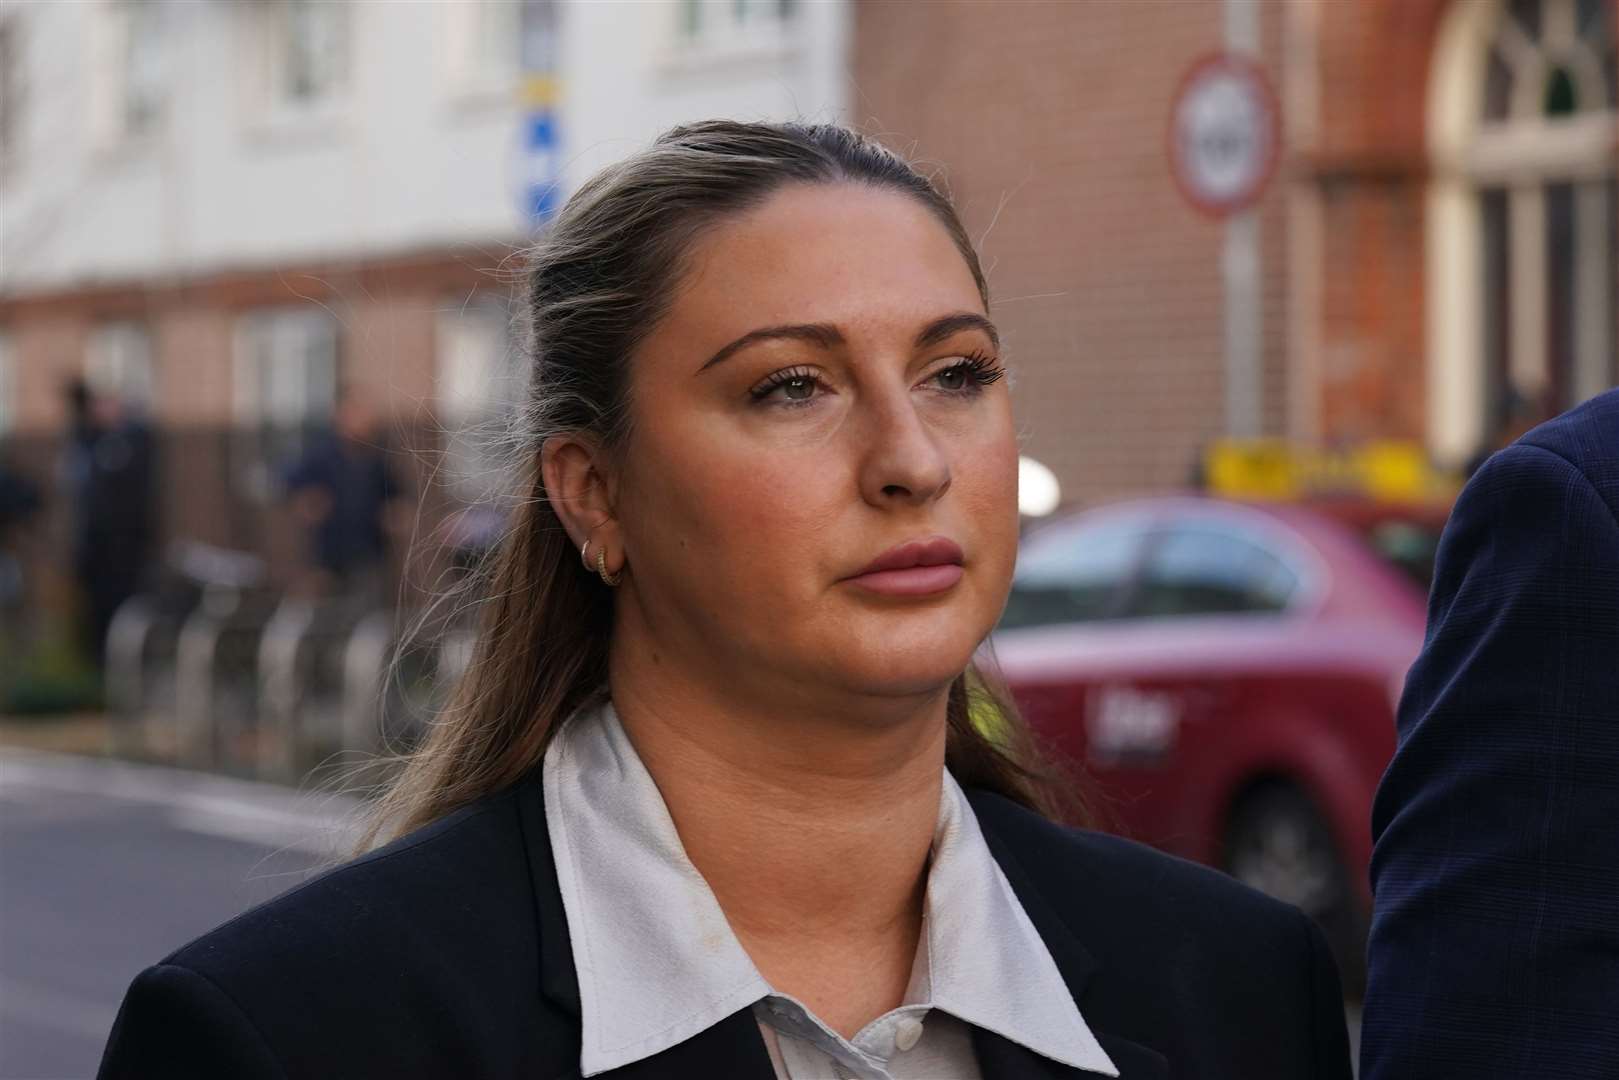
{"x":1240,"y":267}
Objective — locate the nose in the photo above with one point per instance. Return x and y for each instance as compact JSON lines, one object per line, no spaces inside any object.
{"x":904,"y":462}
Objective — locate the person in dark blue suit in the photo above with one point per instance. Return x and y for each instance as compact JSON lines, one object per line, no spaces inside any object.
{"x":1495,"y":936}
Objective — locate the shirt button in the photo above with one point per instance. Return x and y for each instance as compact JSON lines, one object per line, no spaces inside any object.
{"x":907,"y":1034}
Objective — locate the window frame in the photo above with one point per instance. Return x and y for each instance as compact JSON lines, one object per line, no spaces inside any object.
{"x":8,"y":384}
{"x":718,"y":36}
{"x":1527,"y":153}
{"x":262,"y":441}
{"x":268,"y":40}
{"x":475,"y":414}
{"x":14,"y":89}
{"x":120,"y":357}
{"x":1138,"y":525}
{"x":1286,"y":552}
{"x":119,"y":26}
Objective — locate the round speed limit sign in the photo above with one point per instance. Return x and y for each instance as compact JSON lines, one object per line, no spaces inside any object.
{"x":1223,"y":136}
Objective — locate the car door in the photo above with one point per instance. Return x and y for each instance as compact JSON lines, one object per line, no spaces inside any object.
{"x":1212,"y":599}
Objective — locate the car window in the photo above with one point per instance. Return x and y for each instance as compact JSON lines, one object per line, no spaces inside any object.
{"x":1206,"y":571}
{"x":1072,"y":573}
{"x":1408,"y":546}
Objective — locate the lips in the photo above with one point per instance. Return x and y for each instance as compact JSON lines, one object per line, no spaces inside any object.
{"x":933,"y":551}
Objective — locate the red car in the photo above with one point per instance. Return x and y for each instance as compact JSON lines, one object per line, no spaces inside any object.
{"x":1223,"y":678}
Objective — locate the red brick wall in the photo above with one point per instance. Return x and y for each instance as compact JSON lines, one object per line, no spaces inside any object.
{"x":1050,"y":120}
{"x":1371,"y":166}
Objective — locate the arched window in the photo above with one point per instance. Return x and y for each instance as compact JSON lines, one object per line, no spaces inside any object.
{"x":1523,"y":222}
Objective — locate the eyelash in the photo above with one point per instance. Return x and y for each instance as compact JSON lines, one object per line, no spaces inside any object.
{"x":980,"y":367}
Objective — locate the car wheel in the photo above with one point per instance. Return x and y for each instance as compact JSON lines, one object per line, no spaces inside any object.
{"x":1278,"y":842}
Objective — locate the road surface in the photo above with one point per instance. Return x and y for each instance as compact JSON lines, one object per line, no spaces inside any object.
{"x":106,"y":867}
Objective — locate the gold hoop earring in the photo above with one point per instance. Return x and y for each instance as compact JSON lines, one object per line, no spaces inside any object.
{"x":601,"y":568}
{"x":584,"y":555}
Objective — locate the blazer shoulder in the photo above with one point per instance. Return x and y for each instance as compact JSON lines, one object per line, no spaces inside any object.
{"x":1196,"y":964}
{"x":1097,"y":881}
{"x":1587,"y":438}
{"x":423,"y":895}
{"x":420,"y":959}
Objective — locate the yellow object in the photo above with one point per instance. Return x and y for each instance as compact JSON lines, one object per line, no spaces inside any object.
{"x":1270,"y":469}
{"x":540,"y":91}
{"x":984,"y":715}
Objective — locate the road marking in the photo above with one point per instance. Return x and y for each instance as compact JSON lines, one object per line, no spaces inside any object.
{"x":53,"y":1009}
{"x":323,"y":824}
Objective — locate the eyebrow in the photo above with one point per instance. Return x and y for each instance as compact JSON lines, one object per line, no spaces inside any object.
{"x":828,"y":336}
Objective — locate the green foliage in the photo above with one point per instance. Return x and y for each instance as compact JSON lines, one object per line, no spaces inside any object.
{"x":52,"y":677}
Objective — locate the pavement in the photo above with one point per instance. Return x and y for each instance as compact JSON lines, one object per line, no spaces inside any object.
{"x":107,"y":866}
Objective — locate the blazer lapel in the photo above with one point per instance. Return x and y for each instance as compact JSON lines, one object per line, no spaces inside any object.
{"x":1002,"y":1057}
{"x":731,"y":1048}
{"x":999,"y":1057}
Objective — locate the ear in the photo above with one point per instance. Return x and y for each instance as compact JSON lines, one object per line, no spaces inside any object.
{"x":580,"y":489}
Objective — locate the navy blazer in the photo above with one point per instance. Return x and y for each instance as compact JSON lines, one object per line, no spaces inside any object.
{"x":1495,"y":936}
{"x":445,"y":955}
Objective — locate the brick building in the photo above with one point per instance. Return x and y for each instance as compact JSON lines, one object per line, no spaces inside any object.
{"x":1437,"y":247}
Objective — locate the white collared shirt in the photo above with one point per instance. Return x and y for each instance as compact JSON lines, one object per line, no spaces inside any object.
{"x":658,"y":963}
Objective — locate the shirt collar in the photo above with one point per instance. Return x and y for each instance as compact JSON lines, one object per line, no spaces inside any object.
{"x":657,"y":961}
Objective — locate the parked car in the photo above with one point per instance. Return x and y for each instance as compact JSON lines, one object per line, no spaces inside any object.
{"x":1222,"y":678}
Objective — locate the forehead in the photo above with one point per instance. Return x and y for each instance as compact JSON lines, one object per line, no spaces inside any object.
{"x":863,"y":258}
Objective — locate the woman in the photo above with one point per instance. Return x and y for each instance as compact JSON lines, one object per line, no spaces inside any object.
{"x":712,"y":804}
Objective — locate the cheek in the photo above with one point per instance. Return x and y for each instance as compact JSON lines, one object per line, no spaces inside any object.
{"x":733,"y":521}
{"x":986,"y":483}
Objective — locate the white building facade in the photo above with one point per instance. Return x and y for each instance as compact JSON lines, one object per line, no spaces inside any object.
{"x":224,"y":209}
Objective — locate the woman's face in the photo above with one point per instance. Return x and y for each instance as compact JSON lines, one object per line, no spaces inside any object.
{"x":822,"y":391}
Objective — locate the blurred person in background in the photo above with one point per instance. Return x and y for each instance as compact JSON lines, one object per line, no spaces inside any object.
{"x":109,"y":475}
{"x":710,"y":800}
{"x":1495,"y":937}
{"x":346,"y":494}
{"x":73,"y":481}
{"x":19,"y":504}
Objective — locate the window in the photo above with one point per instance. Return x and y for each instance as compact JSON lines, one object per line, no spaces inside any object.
{"x":118,"y":363}
{"x":1548,"y":224}
{"x":131,"y":76}
{"x":13,"y":88}
{"x":1525,"y":322}
{"x":481,"y":384}
{"x":1205,"y":571}
{"x":726,"y":24}
{"x":307,"y":43}
{"x":1072,"y":573}
{"x":7,"y":386}
{"x":285,"y":384}
{"x":489,"y":43}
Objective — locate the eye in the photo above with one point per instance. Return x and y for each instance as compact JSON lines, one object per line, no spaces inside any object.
{"x":969,"y":375}
{"x":797,"y":387}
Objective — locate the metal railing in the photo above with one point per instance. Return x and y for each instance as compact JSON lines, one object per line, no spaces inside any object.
{"x":232,"y":676}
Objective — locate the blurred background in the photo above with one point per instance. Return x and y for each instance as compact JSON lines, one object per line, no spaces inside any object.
{"x":1276,"y":276}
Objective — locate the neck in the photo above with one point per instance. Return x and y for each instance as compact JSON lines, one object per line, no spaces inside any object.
{"x":813,"y":831}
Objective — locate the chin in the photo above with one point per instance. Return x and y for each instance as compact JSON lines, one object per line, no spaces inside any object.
{"x":904,"y":668}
